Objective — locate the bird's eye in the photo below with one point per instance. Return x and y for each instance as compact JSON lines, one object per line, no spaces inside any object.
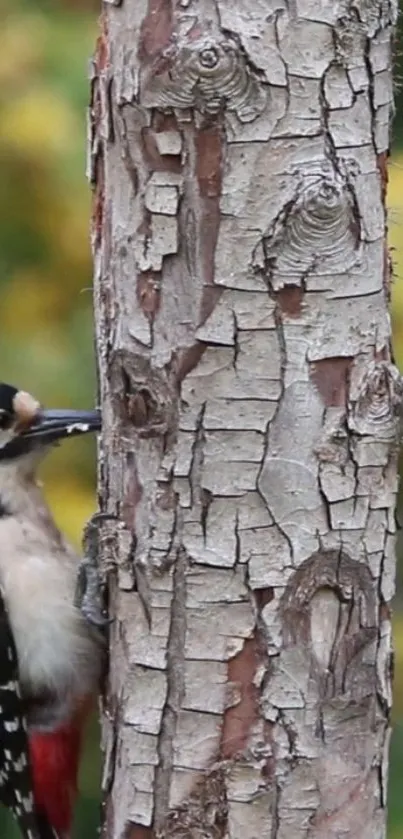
{"x":6,"y":420}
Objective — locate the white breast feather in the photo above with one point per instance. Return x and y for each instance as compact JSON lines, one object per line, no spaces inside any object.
{"x":56,"y":650}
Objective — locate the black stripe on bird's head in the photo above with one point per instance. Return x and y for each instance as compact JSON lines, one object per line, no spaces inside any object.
{"x":26,"y":427}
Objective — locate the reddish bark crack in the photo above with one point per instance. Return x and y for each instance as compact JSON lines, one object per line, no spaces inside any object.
{"x":240,"y":718}
{"x":331,"y":378}
{"x":382,"y":163}
{"x":98,"y":200}
{"x":138,"y":831}
{"x":156,"y":29}
{"x":101,"y":48}
{"x":188,"y":360}
{"x":290,"y":300}
{"x":148,"y":293}
{"x":100,"y":63}
{"x":209,"y":151}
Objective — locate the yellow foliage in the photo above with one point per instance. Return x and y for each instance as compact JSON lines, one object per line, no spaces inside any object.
{"x":38,"y":303}
{"x":395,"y":204}
{"x":72,"y":245}
{"x":38,"y":123}
{"x":22,"y":43}
{"x":72,"y":506}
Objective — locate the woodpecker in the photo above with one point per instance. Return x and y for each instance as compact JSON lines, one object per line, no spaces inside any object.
{"x":51,"y":650}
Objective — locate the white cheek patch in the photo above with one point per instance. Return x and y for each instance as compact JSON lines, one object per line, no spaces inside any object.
{"x":78,"y":428}
{"x":26,"y":408}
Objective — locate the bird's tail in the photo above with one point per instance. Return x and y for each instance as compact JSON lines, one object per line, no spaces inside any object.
{"x":44,"y":829}
{"x":54,"y":760}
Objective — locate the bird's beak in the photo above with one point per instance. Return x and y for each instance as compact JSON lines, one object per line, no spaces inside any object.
{"x":50,"y":426}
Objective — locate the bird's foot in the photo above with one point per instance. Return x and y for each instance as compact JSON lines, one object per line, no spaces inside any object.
{"x":89,"y":587}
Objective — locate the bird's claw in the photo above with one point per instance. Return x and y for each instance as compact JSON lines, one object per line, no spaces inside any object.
{"x":88,"y":595}
{"x":89,"y":590}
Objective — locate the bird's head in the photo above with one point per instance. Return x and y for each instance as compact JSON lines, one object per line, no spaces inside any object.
{"x":28,"y":429}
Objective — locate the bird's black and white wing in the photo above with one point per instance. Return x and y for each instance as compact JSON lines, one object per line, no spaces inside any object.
{"x":15,"y":772}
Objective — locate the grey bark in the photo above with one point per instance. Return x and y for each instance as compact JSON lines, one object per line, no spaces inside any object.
{"x":238,"y":154}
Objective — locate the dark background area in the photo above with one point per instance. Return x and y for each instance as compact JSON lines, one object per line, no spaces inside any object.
{"x":46,"y":332}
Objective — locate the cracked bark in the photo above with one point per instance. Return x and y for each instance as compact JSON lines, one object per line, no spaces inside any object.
{"x":238,"y":157}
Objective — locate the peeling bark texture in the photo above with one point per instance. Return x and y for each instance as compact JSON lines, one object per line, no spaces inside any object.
{"x":237,"y":150}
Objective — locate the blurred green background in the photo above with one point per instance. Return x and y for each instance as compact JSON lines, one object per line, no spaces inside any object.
{"x":46,"y":333}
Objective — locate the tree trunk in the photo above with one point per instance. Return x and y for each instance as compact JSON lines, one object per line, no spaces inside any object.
{"x":238,"y":152}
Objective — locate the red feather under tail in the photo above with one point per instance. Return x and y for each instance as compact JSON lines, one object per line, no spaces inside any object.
{"x":54,"y":759}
